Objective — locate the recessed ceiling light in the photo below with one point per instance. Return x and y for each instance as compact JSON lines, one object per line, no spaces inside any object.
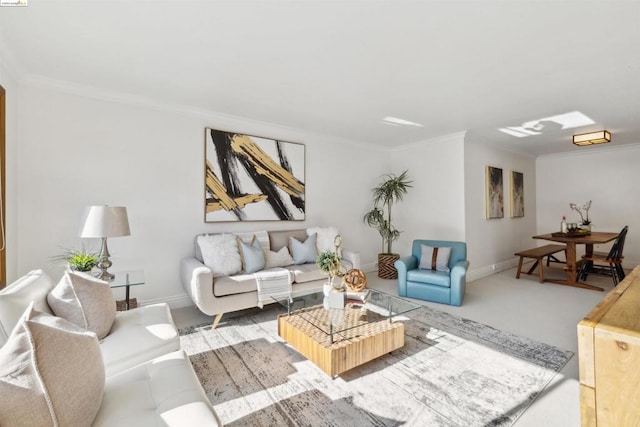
{"x":394,"y":121}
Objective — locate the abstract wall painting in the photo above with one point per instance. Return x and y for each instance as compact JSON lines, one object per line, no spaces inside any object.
{"x":494,"y":193}
{"x":517,"y":194}
{"x":249,"y":178}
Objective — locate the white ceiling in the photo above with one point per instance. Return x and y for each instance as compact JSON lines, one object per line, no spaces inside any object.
{"x":337,"y":68}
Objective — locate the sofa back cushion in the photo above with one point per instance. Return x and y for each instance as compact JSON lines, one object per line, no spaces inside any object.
{"x":15,"y":298}
{"x":280,"y":239}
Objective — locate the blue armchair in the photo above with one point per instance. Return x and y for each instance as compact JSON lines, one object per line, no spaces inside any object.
{"x":432,"y":285}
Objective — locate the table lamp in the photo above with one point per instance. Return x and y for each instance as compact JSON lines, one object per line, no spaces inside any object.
{"x":102,"y":222}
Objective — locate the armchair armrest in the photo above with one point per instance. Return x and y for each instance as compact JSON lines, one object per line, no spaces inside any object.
{"x":403,"y":265}
{"x":406,"y":263}
{"x":197,"y":280}
{"x":458,"y":281}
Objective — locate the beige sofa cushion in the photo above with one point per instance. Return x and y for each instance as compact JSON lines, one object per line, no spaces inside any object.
{"x":51,"y":373}
{"x":14,"y":299}
{"x":85,"y":301}
{"x":137,"y":336}
{"x":306,"y":273}
{"x":161,"y":392}
{"x":231,"y":285}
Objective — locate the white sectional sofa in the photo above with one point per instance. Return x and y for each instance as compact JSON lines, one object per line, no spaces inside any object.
{"x":149,"y":380}
{"x":215,"y":294}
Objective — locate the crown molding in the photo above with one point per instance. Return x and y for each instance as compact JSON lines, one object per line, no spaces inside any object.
{"x":213,"y":118}
{"x":456,"y":136}
{"x":590,"y":151}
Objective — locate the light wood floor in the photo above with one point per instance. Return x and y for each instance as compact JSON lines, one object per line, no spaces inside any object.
{"x":544,"y":312}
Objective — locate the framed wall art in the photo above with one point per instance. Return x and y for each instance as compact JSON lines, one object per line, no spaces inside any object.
{"x":494,"y":193}
{"x":250,"y":178}
{"x":517,"y":194}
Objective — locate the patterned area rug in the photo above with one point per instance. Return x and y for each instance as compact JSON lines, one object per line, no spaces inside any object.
{"x":451,"y":372}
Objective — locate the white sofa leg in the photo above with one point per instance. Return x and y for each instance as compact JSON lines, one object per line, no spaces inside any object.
{"x":216,"y":320}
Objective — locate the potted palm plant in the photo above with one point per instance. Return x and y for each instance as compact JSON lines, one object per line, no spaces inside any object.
{"x":391,"y":190}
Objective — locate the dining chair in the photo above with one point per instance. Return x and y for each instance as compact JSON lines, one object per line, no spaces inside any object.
{"x":609,"y":265}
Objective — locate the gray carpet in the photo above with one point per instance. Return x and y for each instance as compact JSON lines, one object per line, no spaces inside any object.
{"x":451,"y":372}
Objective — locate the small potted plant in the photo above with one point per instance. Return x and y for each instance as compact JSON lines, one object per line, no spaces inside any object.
{"x":79,"y":260}
{"x":580,"y":208}
{"x":330,"y":264}
{"x":392,"y":189}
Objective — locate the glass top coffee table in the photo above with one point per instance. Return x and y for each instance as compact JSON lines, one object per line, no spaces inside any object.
{"x":339,"y":339}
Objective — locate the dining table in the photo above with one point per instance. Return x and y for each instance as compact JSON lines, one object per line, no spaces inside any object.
{"x":572,"y":241}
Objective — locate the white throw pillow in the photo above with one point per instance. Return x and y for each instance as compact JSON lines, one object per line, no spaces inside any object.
{"x":84,"y":301}
{"x":304,"y":252}
{"x":441,"y":256}
{"x":325,"y":238}
{"x":281,"y":258}
{"x":51,"y":373}
{"x":220,"y":253}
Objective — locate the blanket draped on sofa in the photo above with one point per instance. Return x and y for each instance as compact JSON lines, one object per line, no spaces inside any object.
{"x":273,"y":284}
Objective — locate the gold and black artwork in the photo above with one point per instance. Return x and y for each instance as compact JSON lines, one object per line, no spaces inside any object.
{"x":249,"y":178}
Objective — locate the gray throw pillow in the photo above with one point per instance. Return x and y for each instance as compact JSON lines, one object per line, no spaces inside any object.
{"x":435,"y":258}
{"x":304,"y":252}
{"x":252,"y":255}
{"x":51,"y":373}
{"x":84,"y":301}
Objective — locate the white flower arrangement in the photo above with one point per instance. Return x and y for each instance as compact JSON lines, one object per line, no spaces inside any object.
{"x":580,"y":208}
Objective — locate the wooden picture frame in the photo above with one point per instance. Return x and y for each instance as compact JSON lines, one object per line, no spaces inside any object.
{"x":250,"y":178}
{"x":516,"y":208}
{"x":494,"y":191}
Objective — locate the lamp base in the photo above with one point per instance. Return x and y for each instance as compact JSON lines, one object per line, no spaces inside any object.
{"x":105,"y":262}
{"x":105,"y":275}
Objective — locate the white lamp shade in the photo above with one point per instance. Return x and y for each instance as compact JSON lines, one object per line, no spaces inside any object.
{"x":105,"y":221}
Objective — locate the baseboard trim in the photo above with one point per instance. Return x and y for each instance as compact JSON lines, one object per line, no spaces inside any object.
{"x":488,"y":270}
{"x":175,"y":301}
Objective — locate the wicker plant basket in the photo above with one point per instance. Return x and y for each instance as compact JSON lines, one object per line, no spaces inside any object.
{"x":386,"y":270}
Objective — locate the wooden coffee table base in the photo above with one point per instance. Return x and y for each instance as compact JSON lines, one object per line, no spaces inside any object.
{"x":349,"y":349}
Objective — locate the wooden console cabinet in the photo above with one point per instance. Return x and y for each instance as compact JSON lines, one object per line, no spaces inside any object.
{"x":609,"y":358}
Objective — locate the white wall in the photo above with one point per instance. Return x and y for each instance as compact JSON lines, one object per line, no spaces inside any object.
{"x":76,"y":151}
{"x":494,"y":241}
{"x":434,"y":207}
{"x":609,"y":177}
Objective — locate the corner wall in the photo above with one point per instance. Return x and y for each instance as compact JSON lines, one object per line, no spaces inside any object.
{"x":435,"y":207}
{"x":493,"y":242}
